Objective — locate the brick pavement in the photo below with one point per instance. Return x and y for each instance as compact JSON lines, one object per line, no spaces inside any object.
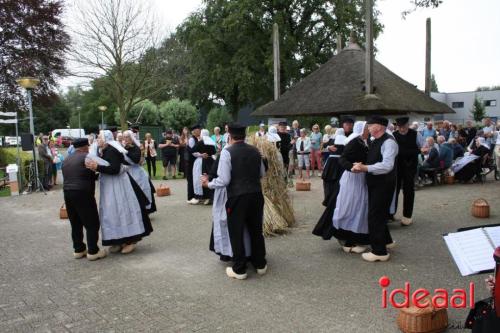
{"x":172,"y":283}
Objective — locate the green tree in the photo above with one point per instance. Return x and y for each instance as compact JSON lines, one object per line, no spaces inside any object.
{"x":145,"y":113}
{"x":477,"y":110}
{"x":176,"y":114}
{"x":434,"y":86}
{"x":217,"y":117}
{"x":227,"y":45}
{"x":488,"y":88}
{"x":33,"y":42}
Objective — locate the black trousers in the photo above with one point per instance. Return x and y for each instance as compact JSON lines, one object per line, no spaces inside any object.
{"x":246,"y":211}
{"x":151,"y":162}
{"x":379,"y":203}
{"x":406,"y":181}
{"x":190,"y":189}
{"x":82,"y":213}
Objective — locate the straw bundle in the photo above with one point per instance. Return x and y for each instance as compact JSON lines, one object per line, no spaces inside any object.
{"x":278,"y":210}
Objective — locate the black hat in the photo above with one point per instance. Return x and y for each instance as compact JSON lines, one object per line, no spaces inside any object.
{"x":347,"y":119}
{"x":282,"y":123}
{"x":237,"y":129}
{"x":378,"y":120}
{"x":112,"y":128}
{"x":401,"y":121}
{"x":80,"y":142}
{"x":197,"y":126}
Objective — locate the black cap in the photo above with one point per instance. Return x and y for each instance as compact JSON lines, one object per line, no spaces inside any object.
{"x":197,"y":126}
{"x":112,"y":128}
{"x":401,"y":121}
{"x":347,"y":119}
{"x":237,"y":129}
{"x":282,"y":123}
{"x":378,"y":120}
{"x":80,"y":142}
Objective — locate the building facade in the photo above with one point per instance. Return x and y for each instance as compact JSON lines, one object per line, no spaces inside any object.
{"x":462,"y":103}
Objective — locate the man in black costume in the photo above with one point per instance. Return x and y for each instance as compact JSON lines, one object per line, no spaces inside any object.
{"x":407,"y":162}
{"x":195,"y":134}
{"x":240,"y":169}
{"x":284,"y":145}
{"x":381,"y":177}
{"x":79,"y":188}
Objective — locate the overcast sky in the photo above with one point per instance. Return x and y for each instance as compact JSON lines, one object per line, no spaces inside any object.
{"x":465,"y":40}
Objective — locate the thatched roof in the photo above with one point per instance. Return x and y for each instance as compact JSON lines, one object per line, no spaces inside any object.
{"x":337,"y":87}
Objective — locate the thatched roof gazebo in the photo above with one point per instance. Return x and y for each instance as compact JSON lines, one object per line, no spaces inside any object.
{"x":338,"y":88}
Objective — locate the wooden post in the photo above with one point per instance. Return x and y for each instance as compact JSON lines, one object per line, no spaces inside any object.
{"x":428,"y":57}
{"x":276,"y":57}
{"x":369,"y":47}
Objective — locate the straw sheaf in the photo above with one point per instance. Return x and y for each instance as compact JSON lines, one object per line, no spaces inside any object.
{"x":337,"y":87}
{"x":278,"y":210}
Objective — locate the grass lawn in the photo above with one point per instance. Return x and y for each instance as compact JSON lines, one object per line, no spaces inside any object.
{"x":159,"y":171}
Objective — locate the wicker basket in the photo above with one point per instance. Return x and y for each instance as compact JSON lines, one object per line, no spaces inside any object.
{"x":63,"y":213}
{"x":480,"y":208}
{"x":302,"y":185}
{"x":163,"y":190}
{"x":450,"y":180}
{"x":422,"y":320}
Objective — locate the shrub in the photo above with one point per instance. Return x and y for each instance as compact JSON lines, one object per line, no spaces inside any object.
{"x":177,"y":114}
{"x":217,"y":117}
{"x":8,"y":156}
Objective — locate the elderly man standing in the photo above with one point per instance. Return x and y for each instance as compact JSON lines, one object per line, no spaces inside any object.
{"x":46,"y":156}
{"x":429,"y":131}
{"x":380,"y":171}
{"x":79,"y":188}
{"x":407,"y":162}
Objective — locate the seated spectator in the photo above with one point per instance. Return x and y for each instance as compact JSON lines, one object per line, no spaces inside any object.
{"x":458,"y":150}
{"x":445,"y":153}
{"x":470,"y":165}
{"x":431,"y":158}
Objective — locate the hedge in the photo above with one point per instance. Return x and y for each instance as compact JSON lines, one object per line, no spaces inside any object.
{"x":8,"y":156}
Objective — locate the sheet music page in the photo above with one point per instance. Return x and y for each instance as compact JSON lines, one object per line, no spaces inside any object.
{"x":462,"y":266}
{"x":474,"y":249}
{"x":494,"y":234}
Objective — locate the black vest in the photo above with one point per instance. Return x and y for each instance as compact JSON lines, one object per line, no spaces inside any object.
{"x":375,"y":156}
{"x":190,"y":151}
{"x":76,"y":176}
{"x":408,"y":149}
{"x":245,"y":170}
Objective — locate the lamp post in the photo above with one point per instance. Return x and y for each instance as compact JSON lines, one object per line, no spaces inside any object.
{"x":30,"y":83}
{"x":102,"y":108}
{"x":78,"y":108}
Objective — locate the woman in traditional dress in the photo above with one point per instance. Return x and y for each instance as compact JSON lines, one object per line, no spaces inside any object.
{"x":346,"y":216}
{"x":470,"y":165}
{"x":332,"y":170}
{"x":122,"y":204}
{"x":135,"y":170}
{"x":205,"y":151}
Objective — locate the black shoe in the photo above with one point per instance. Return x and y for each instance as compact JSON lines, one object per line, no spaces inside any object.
{"x":224,"y":258}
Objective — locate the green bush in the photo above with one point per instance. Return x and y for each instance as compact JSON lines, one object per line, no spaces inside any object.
{"x":8,"y":156}
{"x":177,"y":114}
{"x":217,"y":117}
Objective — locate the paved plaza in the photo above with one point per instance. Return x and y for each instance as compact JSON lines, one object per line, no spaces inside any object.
{"x":172,"y":283}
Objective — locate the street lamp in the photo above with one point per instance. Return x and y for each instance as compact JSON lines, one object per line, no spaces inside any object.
{"x":78,"y":108}
{"x":30,"y":83}
{"x":102,"y":108}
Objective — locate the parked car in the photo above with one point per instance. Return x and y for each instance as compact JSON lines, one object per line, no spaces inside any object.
{"x":69,"y":132}
{"x":12,"y":140}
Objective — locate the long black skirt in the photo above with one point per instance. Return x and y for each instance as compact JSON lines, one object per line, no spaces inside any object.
{"x":152,"y":209}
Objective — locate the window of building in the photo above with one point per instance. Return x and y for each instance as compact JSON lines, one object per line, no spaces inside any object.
{"x":457,"y":105}
{"x":491,"y":102}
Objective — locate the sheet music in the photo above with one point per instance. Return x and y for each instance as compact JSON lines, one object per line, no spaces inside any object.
{"x":471,"y":250}
{"x":494,"y":234}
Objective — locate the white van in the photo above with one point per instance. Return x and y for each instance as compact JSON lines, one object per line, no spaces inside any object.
{"x":69,"y":132}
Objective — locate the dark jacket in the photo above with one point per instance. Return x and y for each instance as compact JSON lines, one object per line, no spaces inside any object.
{"x":76,"y":176}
